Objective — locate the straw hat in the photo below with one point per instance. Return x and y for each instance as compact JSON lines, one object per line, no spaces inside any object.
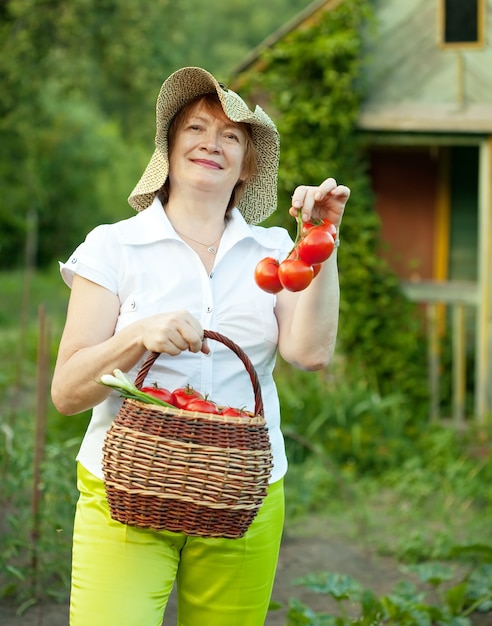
{"x":259,"y":199}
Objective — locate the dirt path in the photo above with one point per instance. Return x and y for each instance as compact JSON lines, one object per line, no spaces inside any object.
{"x":300,"y":555}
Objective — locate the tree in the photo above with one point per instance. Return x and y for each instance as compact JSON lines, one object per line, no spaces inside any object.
{"x":68,"y":83}
{"x":79,"y":85}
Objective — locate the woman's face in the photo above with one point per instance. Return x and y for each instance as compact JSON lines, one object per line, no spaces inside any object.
{"x":207,"y":152}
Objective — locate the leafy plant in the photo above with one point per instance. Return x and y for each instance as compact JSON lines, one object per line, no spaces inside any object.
{"x":34,"y":543}
{"x":34,"y":556}
{"x":405,"y":605}
{"x":337,"y":415}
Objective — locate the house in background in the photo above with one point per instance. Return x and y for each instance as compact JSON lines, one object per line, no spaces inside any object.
{"x":427,"y":122}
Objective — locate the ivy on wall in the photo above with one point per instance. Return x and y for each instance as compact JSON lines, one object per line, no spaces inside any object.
{"x":313,"y":80}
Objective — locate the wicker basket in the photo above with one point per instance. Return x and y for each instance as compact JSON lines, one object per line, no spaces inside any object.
{"x":201,"y":474}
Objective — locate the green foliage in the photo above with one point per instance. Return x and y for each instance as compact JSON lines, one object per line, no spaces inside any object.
{"x":406,"y":605}
{"x":337,"y":416}
{"x":450,"y":464}
{"x":34,"y":555}
{"x":79,"y":85}
{"x":313,"y":79}
{"x":54,"y":140}
{"x":34,"y":546}
{"x":413,"y":493}
{"x":218,"y":35}
{"x":73,"y":142}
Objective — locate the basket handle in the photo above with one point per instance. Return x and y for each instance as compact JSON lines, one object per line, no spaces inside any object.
{"x":210,"y":334}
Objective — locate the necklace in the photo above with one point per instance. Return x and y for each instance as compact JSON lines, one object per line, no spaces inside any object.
{"x":211,"y":247}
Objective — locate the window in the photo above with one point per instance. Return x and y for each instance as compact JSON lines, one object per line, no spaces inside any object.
{"x":462,"y":22}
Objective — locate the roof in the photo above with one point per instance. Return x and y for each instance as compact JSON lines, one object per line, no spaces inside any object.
{"x":413,"y":83}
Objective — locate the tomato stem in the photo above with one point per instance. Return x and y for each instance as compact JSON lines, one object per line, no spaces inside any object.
{"x":298,"y":233}
{"x":299,"y":225}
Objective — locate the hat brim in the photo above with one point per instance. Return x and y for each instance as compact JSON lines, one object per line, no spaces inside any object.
{"x":259,"y":199}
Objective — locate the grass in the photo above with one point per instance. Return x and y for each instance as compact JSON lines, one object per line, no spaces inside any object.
{"x":389,"y":514}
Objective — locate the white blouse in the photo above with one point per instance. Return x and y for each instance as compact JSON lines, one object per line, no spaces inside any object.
{"x":152,"y":270}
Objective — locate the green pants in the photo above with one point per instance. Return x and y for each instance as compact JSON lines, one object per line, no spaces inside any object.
{"x":123,"y":576}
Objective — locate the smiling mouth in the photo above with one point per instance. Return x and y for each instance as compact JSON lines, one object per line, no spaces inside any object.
{"x":205,"y":163}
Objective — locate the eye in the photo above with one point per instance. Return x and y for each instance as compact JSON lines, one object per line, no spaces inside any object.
{"x":234,"y":134}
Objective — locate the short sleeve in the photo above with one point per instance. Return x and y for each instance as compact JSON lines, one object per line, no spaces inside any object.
{"x":275,"y":239}
{"x":95,"y":259}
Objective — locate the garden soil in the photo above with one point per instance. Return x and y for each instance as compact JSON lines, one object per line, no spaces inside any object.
{"x":304,"y":551}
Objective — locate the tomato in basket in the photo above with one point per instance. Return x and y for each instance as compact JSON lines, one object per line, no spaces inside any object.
{"x":160,"y":393}
{"x":230,"y":411}
{"x":183,"y":395}
{"x":202,"y":406}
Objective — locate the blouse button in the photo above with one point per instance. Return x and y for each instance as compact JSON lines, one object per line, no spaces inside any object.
{"x":74,"y":260}
{"x":133,"y":305}
{"x":209,"y":309}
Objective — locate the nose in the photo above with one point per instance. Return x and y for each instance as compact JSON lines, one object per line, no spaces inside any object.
{"x":211,"y":141}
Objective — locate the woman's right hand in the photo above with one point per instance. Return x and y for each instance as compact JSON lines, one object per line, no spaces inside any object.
{"x":172,"y":333}
{"x":89,"y":346}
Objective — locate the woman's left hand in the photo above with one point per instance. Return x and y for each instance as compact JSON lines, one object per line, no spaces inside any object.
{"x":328,"y":201}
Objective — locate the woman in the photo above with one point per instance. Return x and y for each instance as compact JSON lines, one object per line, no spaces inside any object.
{"x":154,"y":282}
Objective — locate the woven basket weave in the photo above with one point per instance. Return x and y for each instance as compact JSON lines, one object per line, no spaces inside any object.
{"x":197,"y":473}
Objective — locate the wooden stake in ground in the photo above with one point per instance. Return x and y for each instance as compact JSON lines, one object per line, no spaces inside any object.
{"x":42,"y":380}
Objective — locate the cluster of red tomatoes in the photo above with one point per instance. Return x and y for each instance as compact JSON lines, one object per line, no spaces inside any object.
{"x":190,"y":399}
{"x":314,"y":244}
